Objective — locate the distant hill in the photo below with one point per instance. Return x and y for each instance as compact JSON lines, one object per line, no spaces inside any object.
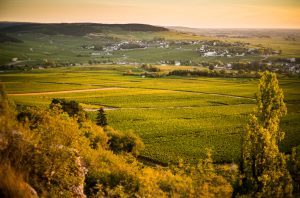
{"x":76,"y":29}
{"x":5,"y":38}
{"x":237,"y":32}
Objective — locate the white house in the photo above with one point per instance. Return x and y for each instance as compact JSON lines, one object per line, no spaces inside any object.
{"x":177,"y":63}
{"x":229,"y":65}
{"x":292,"y":60}
{"x":210,"y":53}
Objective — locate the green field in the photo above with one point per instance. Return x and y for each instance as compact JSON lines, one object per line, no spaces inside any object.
{"x":176,"y":117}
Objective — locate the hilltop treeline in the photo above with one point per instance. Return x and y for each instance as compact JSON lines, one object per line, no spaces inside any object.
{"x":76,"y":29}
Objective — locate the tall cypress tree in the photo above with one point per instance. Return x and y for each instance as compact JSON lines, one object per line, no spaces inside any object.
{"x":263,"y":165}
{"x":101,"y":118}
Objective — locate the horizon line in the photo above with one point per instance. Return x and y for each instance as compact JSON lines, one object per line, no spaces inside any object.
{"x":166,"y":26}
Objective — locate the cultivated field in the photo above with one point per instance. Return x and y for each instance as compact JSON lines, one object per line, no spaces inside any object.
{"x":176,"y":117}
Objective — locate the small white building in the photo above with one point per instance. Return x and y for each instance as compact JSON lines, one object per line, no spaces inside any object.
{"x":292,"y":60}
{"x":177,"y":63}
{"x":14,"y":59}
{"x":210,"y":53}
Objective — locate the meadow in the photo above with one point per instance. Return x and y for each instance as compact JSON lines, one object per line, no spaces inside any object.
{"x":176,"y":117}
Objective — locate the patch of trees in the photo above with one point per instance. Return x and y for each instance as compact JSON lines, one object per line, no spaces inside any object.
{"x":101,"y":118}
{"x":94,"y":62}
{"x":251,"y":66}
{"x":213,"y":73}
{"x":150,"y":68}
{"x":71,"y":107}
{"x":131,"y":46}
{"x":37,"y":65}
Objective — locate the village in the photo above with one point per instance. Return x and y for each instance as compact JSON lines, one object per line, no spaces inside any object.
{"x":213,"y":54}
{"x":205,"y":48}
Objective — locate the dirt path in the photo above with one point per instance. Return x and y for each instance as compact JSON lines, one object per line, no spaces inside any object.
{"x":62,"y":92}
{"x":153,"y":108}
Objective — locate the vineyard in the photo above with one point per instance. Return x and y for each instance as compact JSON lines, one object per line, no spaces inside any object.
{"x":176,"y":117}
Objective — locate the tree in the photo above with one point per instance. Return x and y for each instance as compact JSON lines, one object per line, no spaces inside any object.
{"x":70,"y":106}
{"x":263,"y":165}
{"x":211,"y":67}
{"x":101,"y":117}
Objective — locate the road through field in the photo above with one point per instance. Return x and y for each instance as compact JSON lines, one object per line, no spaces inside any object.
{"x":153,"y":108}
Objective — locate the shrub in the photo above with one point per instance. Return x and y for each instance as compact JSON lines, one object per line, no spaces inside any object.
{"x":101,"y":118}
{"x":72,"y":107}
{"x":95,"y":134}
{"x":109,"y":173}
{"x":124,"y":142}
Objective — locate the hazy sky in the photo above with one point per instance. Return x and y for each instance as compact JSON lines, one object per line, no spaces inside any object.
{"x":189,"y":13}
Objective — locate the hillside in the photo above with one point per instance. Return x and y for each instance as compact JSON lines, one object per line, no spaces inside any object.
{"x":26,"y":46}
{"x":75,"y":29}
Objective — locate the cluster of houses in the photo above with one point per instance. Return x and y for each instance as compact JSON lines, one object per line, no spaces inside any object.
{"x":209,"y":51}
{"x":291,"y":65}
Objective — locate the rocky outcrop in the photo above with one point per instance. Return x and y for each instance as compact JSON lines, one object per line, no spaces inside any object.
{"x":78,"y":191}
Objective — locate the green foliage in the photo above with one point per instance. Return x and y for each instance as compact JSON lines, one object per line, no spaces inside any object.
{"x":96,"y":135}
{"x":12,"y":146}
{"x":264,"y":166}
{"x":124,"y":177}
{"x":72,"y":107}
{"x":108,"y":172}
{"x":101,"y":118}
{"x":52,"y":161}
{"x":185,"y":180}
{"x":270,"y":105}
{"x":294,"y":168}
{"x":124,"y":142}
{"x":47,"y":153}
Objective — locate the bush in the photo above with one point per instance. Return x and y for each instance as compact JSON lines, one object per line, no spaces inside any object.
{"x":95,"y":134}
{"x":72,"y":107}
{"x":101,"y":118}
{"x":124,"y":142}
{"x":109,"y":173}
